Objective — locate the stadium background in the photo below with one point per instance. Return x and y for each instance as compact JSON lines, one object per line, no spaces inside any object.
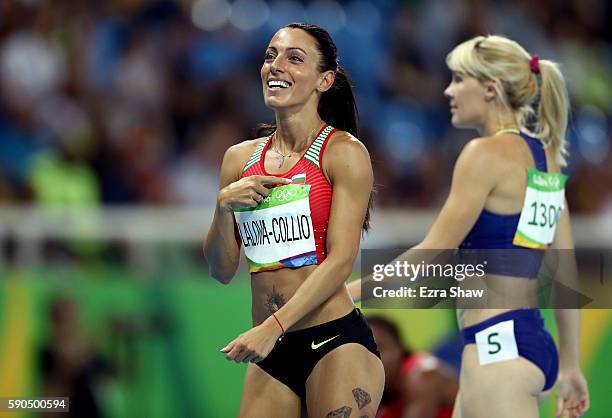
{"x":114,"y":116}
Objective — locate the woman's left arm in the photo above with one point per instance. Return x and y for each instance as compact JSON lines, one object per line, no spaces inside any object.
{"x":348,"y":166}
{"x":572,"y":387}
{"x":350,"y":171}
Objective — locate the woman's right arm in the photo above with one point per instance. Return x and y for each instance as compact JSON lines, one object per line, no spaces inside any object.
{"x":222,"y":245}
{"x":466,"y":199}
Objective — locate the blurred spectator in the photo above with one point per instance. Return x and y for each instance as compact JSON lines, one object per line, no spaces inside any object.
{"x":148,"y":87}
{"x":32,"y":63}
{"x":195,"y":177}
{"x":61,"y":178}
{"x":71,"y":366}
{"x":417,"y":385}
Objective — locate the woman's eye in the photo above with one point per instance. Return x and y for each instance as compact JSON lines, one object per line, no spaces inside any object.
{"x":296,"y":58}
{"x":268,"y":56}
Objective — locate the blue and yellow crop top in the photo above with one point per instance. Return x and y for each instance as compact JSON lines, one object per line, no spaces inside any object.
{"x":493,"y":231}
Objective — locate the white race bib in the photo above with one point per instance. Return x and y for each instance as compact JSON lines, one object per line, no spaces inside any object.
{"x":279,"y":231}
{"x":544,"y":202}
{"x":497,"y":343}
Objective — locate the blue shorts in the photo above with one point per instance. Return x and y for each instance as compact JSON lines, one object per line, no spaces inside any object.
{"x":533,"y":341}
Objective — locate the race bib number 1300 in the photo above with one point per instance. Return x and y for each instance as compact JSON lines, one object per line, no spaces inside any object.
{"x":544,"y":202}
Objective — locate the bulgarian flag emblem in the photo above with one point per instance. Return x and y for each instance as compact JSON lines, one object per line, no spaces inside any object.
{"x":299,"y":179}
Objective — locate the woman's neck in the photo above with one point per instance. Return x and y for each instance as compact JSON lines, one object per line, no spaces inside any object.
{"x":498,"y":120}
{"x":296,"y":131}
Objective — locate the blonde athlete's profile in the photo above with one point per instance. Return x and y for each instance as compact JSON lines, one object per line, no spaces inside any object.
{"x":519,"y":106}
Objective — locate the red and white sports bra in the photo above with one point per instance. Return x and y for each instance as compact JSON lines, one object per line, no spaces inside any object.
{"x":289,"y":227}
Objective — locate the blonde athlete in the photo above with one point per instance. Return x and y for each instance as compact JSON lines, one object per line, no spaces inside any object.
{"x":297,"y":200}
{"x":507,"y":193}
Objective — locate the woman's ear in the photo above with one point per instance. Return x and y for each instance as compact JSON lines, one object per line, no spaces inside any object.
{"x":327,"y":81}
{"x":493,"y":90}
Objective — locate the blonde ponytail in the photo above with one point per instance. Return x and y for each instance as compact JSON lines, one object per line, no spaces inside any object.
{"x":552,"y":111}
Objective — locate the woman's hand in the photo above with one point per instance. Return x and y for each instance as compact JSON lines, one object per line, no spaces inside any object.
{"x":255,"y":344}
{"x":247,"y":192}
{"x":572,"y":394}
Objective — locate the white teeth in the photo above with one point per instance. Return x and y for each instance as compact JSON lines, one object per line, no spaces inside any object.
{"x":278,"y":83}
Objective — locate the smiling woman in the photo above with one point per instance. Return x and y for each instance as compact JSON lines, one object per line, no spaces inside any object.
{"x":300,"y":217}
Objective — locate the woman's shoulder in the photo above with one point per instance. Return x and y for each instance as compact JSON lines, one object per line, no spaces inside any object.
{"x":237,"y":155}
{"x":511,"y":150}
{"x":493,"y":150}
{"x":246,"y":146}
{"x":345,"y":152}
{"x":244,"y":149}
{"x":485,"y":158}
{"x":344,"y":144}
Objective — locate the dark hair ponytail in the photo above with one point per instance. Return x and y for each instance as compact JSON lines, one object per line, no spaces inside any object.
{"x":337,"y":106}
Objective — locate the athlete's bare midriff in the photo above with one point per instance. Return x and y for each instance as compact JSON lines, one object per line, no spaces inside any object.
{"x":272,"y":289}
{"x":503,"y":294}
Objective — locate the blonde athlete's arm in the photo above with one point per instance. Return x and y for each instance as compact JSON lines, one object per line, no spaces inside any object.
{"x":222,"y":245}
{"x":350,"y":171}
{"x":572,"y":389}
{"x":477,"y":171}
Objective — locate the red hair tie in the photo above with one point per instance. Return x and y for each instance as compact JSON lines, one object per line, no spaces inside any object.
{"x":534,"y":64}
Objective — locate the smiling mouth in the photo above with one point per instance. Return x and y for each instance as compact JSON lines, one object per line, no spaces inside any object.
{"x":278,"y":84}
